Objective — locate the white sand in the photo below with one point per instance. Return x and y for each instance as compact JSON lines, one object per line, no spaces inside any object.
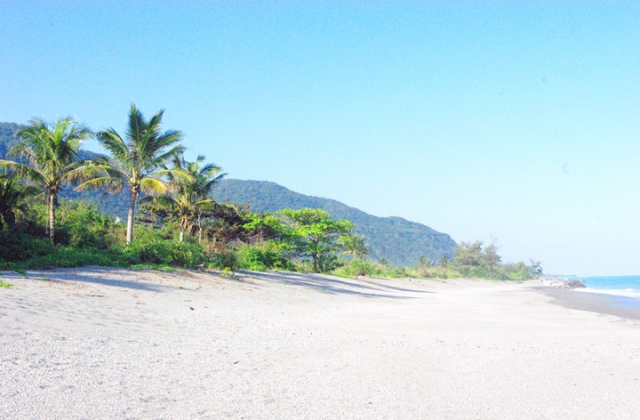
{"x":102,"y":343}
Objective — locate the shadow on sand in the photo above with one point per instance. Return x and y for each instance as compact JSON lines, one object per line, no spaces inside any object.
{"x":332,"y":285}
{"x":99,"y":275}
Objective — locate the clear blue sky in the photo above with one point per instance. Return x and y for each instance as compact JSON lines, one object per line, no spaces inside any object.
{"x":517,"y":121}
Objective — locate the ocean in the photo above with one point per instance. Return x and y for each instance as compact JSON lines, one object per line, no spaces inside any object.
{"x":613,"y":285}
{"x":623,"y":290}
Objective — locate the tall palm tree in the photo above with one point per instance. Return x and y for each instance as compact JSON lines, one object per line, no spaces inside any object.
{"x":189,"y":195}
{"x":136,"y":163}
{"x":51,"y":155}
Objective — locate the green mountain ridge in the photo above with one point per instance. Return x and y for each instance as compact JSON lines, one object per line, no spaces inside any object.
{"x":399,"y":241}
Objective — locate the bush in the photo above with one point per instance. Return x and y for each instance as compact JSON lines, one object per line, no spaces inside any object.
{"x":358,"y":267}
{"x":223,"y":260}
{"x":147,"y":233}
{"x":263,"y":257}
{"x":67,"y":256}
{"x":81,"y":225}
{"x":183,"y":254}
{"x":18,"y":246}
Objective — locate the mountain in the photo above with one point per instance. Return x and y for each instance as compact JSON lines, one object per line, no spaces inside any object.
{"x":7,"y":137}
{"x":400,"y":241}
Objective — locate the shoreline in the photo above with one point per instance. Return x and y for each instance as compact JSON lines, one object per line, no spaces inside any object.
{"x":97,"y":342}
{"x":594,"y":301}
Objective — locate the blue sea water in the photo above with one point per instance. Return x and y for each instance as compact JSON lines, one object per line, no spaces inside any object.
{"x":614,"y":285}
{"x":623,"y":291}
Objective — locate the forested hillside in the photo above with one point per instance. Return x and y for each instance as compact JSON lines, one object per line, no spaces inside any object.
{"x":7,"y":139}
{"x":398,"y":240}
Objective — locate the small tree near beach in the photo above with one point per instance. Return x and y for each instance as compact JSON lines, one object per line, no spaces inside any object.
{"x":316,"y":236}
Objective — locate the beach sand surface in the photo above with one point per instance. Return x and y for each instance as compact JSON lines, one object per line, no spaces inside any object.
{"x":107,"y":343}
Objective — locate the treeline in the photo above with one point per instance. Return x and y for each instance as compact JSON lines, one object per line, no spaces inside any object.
{"x":172,"y":218}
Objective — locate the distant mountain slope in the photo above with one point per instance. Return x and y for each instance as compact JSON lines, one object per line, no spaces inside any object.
{"x":398,"y":240}
{"x":7,"y":137}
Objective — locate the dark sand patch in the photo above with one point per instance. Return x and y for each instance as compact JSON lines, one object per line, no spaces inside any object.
{"x":622,"y":306}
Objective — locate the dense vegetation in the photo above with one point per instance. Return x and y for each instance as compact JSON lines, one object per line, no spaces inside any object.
{"x":174,"y":220}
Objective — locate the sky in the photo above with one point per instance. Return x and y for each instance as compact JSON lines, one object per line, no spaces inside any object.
{"x":514,"y":122}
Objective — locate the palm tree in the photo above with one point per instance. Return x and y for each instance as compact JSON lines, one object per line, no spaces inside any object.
{"x":354,"y":245}
{"x":191,"y":195}
{"x":136,"y":163}
{"x":50,"y":153}
{"x":13,"y":199}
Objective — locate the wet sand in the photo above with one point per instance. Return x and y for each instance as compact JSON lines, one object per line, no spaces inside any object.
{"x":621,"y":306}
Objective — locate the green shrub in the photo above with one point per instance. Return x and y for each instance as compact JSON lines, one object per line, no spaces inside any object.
{"x":81,"y":225}
{"x":183,"y":254}
{"x":252,"y":258}
{"x":263,"y":257}
{"x":223,"y":260}
{"x":67,"y":256}
{"x":18,"y":246}
{"x":358,"y":267}
{"x":147,"y":233}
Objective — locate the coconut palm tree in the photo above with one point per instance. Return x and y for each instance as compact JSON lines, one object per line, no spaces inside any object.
{"x":137,"y":163}
{"x":189,"y":196}
{"x":354,"y":245}
{"x":49,"y":156}
{"x":14,"y":198}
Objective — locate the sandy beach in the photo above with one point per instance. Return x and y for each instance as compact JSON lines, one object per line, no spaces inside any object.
{"x":105,"y":343}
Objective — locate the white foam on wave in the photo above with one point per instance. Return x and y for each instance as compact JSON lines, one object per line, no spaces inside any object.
{"x":634,"y":293}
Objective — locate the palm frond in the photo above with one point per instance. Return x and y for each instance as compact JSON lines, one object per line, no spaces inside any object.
{"x":153,"y":186}
{"x":111,"y":140}
{"x":112,"y":185}
{"x":24,"y":171}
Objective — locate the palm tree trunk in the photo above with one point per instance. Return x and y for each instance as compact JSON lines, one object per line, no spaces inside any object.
{"x":199,"y":226}
{"x":183,"y":227}
{"x":52,"y":218}
{"x":130,"y":214}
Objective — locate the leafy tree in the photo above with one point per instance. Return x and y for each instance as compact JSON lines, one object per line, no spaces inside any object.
{"x":266,"y":226}
{"x":444,"y":261}
{"x":491,"y":259}
{"x":535,"y":269}
{"x":136,"y":162}
{"x":223,"y":224}
{"x":188,"y":196}
{"x":317,"y":236}
{"x":468,"y":258}
{"x":48,"y":156}
{"x":425,"y":262}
